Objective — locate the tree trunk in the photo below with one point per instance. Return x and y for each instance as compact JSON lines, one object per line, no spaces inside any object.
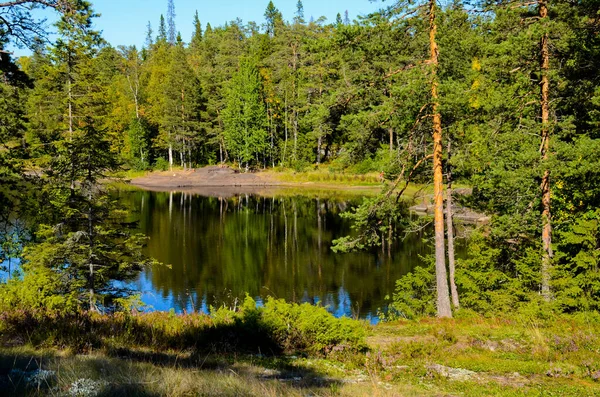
{"x":91,"y":240}
{"x":70,"y":100}
{"x":443,"y":299}
{"x":391,"y":131}
{"x":319,"y":142}
{"x":170,"y":156}
{"x":273,"y":146}
{"x":450,"y":230}
{"x":545,"y":109}
{"x":286,"y":130}
{"x":295,"y":114}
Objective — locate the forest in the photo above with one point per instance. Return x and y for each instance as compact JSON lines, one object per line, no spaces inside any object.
{"x":497,"y":98}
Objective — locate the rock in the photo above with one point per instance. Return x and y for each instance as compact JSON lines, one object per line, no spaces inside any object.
{"x":87,"y":387}
{"x":36,"y":377}
{"x":596,"y":375}
{"x":451,"y":373}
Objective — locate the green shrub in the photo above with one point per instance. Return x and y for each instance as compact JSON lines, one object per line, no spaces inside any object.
{"x":274,"y":328}
{"x":161,"y":164}
{"x":311,"y":328}
{"x":366,"y":165}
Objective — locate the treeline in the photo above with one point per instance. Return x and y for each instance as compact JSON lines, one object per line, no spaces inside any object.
{"x":501,"y":96}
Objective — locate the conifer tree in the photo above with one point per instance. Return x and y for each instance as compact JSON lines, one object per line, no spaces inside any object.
{"x":162,"y":30}
{"x":172,"y":29}
{"x":299,"y":18}
{"x":338,"y":20}
{"x":272,"y":18}
{"x":197,"y":35}
{"x":245,"y":116}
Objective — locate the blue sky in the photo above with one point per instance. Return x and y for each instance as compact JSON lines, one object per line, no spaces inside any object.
{"x":123,"y":22}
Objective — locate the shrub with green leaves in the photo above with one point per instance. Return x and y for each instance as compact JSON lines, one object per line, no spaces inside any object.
{"x":274,"y":328}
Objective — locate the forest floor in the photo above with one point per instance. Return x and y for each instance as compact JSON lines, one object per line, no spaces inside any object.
{"x":430,"y":357}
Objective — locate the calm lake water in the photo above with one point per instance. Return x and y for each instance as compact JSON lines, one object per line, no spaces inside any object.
{"x":218,"y":249}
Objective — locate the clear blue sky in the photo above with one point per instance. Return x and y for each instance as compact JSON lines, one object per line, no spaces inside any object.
{"x":123,"y":22}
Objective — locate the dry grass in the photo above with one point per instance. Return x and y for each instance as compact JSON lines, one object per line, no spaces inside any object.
{"x":501,"y":357}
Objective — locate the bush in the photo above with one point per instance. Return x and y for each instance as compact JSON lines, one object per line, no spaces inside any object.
{"x":161,"y":164}
{"x":310,"y":328}
{"x":366,"y":165}
{"x":274,"y":328}
{"x":414,"y":295}
{"x":138,"y":165}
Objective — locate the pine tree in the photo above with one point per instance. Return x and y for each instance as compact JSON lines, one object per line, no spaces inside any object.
{"x":272,"y":18}
{"x":245,"y":116}
{"x":149,"y":38}
{"x":197,"y":35}
{"x":89,"y":246}
{"x":172,"y":30}
{"x":162,"y":30}
{"x":299,"y":18}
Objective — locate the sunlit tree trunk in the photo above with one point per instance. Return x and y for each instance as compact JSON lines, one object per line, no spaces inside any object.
{"x":443,"y":299}
{"x":545,"y":110}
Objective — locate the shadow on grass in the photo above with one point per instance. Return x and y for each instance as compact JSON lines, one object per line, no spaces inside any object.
{"x":230,"y":354}
{"x":134,"y":373}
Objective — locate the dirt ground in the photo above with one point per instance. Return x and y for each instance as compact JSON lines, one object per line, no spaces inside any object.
{"x":211,"y":176}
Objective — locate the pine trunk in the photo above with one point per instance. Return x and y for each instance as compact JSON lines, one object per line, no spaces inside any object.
{"x":443,"y":298}
{"x":450,"y":230}
{"x":545,"y":110}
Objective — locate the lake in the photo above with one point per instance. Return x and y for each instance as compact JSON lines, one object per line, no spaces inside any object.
{"x":215,"y":250}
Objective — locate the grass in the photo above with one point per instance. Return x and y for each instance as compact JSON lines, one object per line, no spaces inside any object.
{"x":507,"y":357}
{"x":321,"y":175}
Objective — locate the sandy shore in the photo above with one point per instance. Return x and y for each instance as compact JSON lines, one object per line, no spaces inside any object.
{"x":212,"y":176}
{"x":217,"y":181}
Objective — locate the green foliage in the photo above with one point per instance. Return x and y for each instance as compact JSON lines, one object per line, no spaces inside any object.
{"x":374,"y":220}
{"x":245,"y":116}
{"x":161,"y":164}
{"x":41,"y":289}
{"x":414,"y":296}
{"x":310,"y":328}
{"x":276,"y":327}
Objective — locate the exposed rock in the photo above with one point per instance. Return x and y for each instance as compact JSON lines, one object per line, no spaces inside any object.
{"x":451,"y":373}
{"x":87,"y":387}
{"x":36,"y":377}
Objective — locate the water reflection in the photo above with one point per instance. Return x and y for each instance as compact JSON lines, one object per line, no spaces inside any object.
{"x":221,"y":248}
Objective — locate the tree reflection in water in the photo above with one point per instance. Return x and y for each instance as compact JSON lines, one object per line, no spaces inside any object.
{"x":221,"y":248}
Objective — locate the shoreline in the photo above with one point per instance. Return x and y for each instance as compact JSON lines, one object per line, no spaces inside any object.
{"x":214,"y":179}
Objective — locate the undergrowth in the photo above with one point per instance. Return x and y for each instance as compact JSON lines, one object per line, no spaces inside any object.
{"x":277,"y":327}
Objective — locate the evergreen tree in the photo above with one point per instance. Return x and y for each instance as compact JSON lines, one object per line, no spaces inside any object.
{"x":299,"y":18}
{"x":272,"y":18}
{"x":162,"y":30}
{"x":87,"y":245}
{"x":197,"y":35}
{"x":149,"y":38}
{"x":245,"y":116}
{"x":172,"y":30}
